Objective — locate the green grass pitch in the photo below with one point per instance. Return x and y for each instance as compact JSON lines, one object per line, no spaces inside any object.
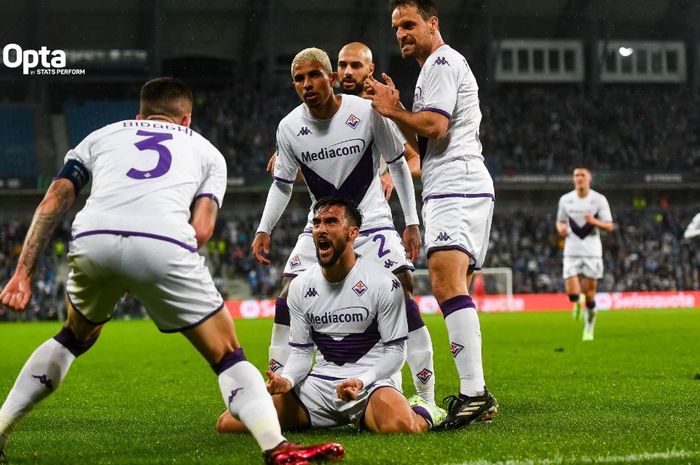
{"x":630,"y":396}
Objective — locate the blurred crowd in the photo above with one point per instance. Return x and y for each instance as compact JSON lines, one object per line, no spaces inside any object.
{"x":524,"y":128}
{"x":644,"y":253}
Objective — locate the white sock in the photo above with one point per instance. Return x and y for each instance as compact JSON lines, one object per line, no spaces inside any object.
{"x":465,"y":343}
{"x":420,"y":360}
{"x":246,"y":397}
{"x":589,"y":321}
{"x":279,"y":347}
{"x":40,"y":376}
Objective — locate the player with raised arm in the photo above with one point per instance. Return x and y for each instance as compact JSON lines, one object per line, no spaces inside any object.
{"x":581,"y":213}
{"x":352,"y":310}
{"x":458,"y":193}
{"x":154,"y":163}
{"x":336,"y":141}
{"x":355,"y":65}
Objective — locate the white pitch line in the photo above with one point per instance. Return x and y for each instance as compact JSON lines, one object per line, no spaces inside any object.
{"x":632,"y":458}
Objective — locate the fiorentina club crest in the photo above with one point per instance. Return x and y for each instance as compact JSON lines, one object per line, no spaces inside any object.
{"x":274,"y":365}
{"x":359,"y":288}
{"x":352,"y":121}
{"x":424,"y":375}
{"x":295,"y":261}
{"x":455,"y":348}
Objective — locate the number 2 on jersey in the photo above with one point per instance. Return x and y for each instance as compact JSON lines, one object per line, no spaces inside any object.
{"x":153,"y":142}
{"x":381,"y":252}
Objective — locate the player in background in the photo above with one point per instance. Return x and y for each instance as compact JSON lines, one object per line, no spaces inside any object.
{"x":352,"y":310}
{"x":458,"y":193}
{"x":154,"y":163}
{"x":336,"y":141}
{"x":693,"y":228}
{"x":354,"y":66}
{"x":581,"y":213}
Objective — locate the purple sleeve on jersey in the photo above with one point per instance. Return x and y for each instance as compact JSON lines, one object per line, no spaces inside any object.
{"x":397,"y":158}
{"x":286,"y":181}
{"x":438,"y":111}
{"x":211,"y":196}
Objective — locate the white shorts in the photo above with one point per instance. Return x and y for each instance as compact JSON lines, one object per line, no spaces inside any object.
{"x":590,"y":267}
{"x":325,"y":409}
{"x":384,"y":245}
{"x":172,"y":283}
{"x":461,"y":221}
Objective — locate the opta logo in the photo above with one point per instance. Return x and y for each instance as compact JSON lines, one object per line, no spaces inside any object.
{"x":13,"y":57}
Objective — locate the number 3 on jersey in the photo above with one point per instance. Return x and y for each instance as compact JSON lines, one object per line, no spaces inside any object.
{"x":153,"y":142}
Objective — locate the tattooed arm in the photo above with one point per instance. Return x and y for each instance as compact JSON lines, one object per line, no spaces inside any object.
{"x":57,"y":200}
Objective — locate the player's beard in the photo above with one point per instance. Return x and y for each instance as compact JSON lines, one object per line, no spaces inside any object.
{"x":357,"y":90}
{"x":337,"y":252}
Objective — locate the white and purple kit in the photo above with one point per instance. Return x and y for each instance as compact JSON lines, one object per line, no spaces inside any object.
{"x":583,"y":250}
{"x":359,"y":329}
{"x":133,"y":235}
{"x":340,"y":156}
{"x":458,"y":193}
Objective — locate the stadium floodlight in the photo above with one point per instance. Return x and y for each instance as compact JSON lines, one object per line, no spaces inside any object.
{"x":625,"y":51}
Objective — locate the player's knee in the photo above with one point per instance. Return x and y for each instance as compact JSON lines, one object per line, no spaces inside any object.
{"x":406,"y":279}
{"x":76,"y":345}
{"x":573,"y":297}
{"x":397,"y":424}
{"x":286,"y":281}
{"x":227,"y":424}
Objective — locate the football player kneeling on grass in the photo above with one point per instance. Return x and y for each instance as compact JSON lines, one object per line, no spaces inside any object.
{"x":353,"y":312}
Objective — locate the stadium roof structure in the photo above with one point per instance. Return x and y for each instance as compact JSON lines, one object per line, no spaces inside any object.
{"x":230,"y":27}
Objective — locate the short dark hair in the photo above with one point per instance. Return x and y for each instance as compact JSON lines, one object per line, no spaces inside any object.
{"x":165,"y":96}
{"x":426,"y":8}
{"x":352,"y":211}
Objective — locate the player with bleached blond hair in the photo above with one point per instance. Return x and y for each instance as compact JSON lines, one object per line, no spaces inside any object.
{"x":582,"y":213}
{"x":336,"y":142}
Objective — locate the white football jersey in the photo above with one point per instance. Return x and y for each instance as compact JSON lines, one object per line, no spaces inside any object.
{"x":340,"y":155}
{"x":446,"y":85}
{"x":349,"y":322}
{"x":583,"y":239}
{"x":145,"y":175}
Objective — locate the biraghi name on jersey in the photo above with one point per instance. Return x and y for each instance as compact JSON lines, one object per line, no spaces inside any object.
{"x":340,"y":149}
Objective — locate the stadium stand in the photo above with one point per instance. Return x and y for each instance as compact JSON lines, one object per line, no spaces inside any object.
{"x":531,"y":129}
{"x":83,"y":118}
{"x":17,"y":142}
{"x":645,"y":253}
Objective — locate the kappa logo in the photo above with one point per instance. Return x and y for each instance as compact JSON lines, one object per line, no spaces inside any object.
{"x":359,"y":288}
{"x":311,"y":292}
{"x":295,"y":261}
{"x":443,"y":236}
{"x":352,"y":121}
{"x":233,"y":394}
{"x":441,"y":61}
{"x":274,"y":365}
{"x":424,"y":375}
{"x":304,"y":131}
{"x":455,"y":348}
{"x":389,"y":263}
{"x":45,"y":380}
{"x":395,"y":284}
